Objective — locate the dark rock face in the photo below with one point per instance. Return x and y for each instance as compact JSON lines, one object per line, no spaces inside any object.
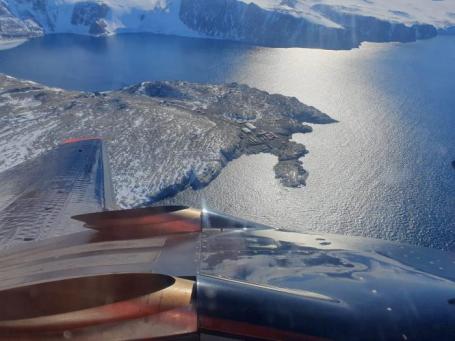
{"x":90,"y":14}
{"x":12,"y":27}
{"x":39,"y":5}
{"x":98,"y":28}
{"x":447,"y":31}
{"x":235,"y":20}
{"x":424,"y":31}
{"x":157,"y":89}
{"x":366,"y":28}
{"x":36,"y":11}
{"x":290,"y":173}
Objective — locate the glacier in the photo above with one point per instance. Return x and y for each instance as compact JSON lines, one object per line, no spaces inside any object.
{"x":330,"y":24}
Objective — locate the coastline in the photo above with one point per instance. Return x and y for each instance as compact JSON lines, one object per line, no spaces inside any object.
{"x":6,"y":44}
{"x":162,"y":136}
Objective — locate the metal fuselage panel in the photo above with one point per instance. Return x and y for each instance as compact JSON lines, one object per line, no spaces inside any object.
{"x":324,"y":286}
{"x":88,"y":253}
{"x":238,"y":278}
{"x":38,"y":197}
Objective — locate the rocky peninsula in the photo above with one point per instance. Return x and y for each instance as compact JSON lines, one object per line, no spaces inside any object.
{"x":162,"y":136}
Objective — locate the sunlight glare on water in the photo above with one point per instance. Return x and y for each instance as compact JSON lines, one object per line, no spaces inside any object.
{"x":379,"y":172}
{"x":383,"y":171}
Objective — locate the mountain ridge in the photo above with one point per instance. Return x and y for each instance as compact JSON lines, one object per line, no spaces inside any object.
{"x":327,"y":24}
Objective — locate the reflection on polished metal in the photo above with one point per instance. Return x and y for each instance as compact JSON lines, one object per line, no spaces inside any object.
{"x":172,"y":272}
{"x":65,"y":305}
{"x":147,"y":221}
{"x":218,"y":220}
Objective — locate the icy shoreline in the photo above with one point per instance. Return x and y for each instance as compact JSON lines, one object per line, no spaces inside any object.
{"x":326,"y":24}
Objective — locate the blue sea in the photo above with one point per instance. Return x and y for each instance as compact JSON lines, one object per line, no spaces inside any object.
{"x":383,"y":171}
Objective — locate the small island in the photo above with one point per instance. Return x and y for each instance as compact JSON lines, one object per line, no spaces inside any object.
{"x":162,"y":136}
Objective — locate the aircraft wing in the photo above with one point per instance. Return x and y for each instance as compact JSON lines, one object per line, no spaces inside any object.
{"x":186,"y":274}
{"x":38,"y":197}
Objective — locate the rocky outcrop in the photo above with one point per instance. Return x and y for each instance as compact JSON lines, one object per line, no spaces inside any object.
{"x":285,"y":23}
{"x":162,"y":136}
{"x":247,"y":22}
{"x":12,"y":27}
{"x":367,"y":28}
{"x":291,"y":173}
{"x":91,"y":15}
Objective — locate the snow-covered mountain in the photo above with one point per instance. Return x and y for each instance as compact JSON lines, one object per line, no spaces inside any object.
{"x":307,"y":23}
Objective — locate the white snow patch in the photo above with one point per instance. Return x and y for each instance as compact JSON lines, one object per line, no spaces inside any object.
{"x":7,"y":44}
{"x":163,"y":16}
{"x":18,"y":147}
